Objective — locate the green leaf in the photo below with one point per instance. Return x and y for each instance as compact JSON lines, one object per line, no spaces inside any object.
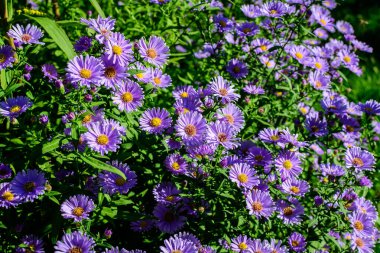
{"x":3,"y":80}
{"x":57,"y":34}
{"x":97,"y":8}
{"x":50,"y":146}
{"x":101,"y":165}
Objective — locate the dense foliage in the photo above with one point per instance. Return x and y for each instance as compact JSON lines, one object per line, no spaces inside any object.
{"x":184,"y":126}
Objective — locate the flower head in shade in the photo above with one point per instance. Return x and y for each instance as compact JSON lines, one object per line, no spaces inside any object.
{"x":247,"y":29}
{"x":5,"y":171}
{"x":321,"y":33}
{"x":166,"y":193}
{"x":169,"y":219}
{"x":242,"y":243}
{"x":103,"y":26}
{"x":176,"y":244}
{"x":7,"y":196}
{"x":158,"y":79}
{"x":155,"y":120}
{"x":83,"y":44}
{"x":332,"y":170}
{"x":142,"y":225}
{"x":116,"y":250}
{"x":359,"y":159}
{"x":370,"y":107}
{"x":331,"y":4}
{"x":118,"y":50}
{"x":288,"y":164}
{"x":362,"y":225}
{"x":113,"y":183}
{"x":232,"y":115}
{"x":258,"y":156}
{"x":361,"y":205}
{"x":361,"y":46}
{"x":176,"y":164}
{"x":189,"y":237}
{"x":315,"y":125}
{"x":28,"y":185}
{"x":361,"y":244}
{"x":13,"y":107}
{"x":102,"y":137}
{"x":30,"y":34}
{"x":129,"y":97}
{"x":32,"y":244}
{"x":49,"y":71}
{"x":243,"y":175}
{"x":75,"y":242}
{"x":295,"y":187}
{"x":297,"y":242}
{"x":113,"y":74}
{"x":221,"y":133}
{"x":222,"y":23}
{"x":260,"y":203}
{"x":290,"y":211}
{"x":274,"y":9}
{"x":155,"y":52}
{"x":77,"y":207}
{"x":191,"y":127}
{"x":85,"y":70}
{"x":237,"y":69}
{"x":344,"y":27}
{"x":6,"y":56}
{"x":223,"y":89}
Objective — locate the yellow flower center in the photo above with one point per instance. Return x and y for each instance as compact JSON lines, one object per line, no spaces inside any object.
{"x":120,"y":181}
{"x":184,"y":94}
{"x":8,"y":196}
{"x":243,"y":178}
{"x":347,"y":59}
{"x":299,"y":55}
{"x":295,"y":189}
{"x":15,"y":109}
{"x":358,"y":225}
{"x":243,"y":246}
{"x":169,"y":198}
{"x":257,"y":206}
{"x":303,"y":110}
{"x":318,"y":65}
{"x":78,"y":211}
{"x":87,"y":118}
{"x":264,"y":48}
{"x":295,"y":243}
{"x":2,"y":58}
{"x":358,"y":162}
{"x":273,"y":12}
{"x":152,"y":53}
{"x":29,"y":186}
{"x":223,"y":92}
{"x":288,"y":164}
{"x":157,"y":80}
{"x":323,"y":22}
{"x":288,"y":211}
{"x":117,"y":50}
{"x":26,"y":37}
{"x":140,"y":75}
{"x":247,"y":30}
{"x":275,"y":137}
{"x":76,"y":250}
{"x":229,"y":118}
{"x":85,"y":73}
{"x":222,"y":137}
{"x":127,"y":97}
{"x":177,"y":251}
{"x":359,"y":242}
{"x":236,"y":70}
{"x":222,"y":23}
{"x":155,"y":122}
{"x":102,"y":139}
{"x":190,"y":130}
{"x":110,"y":72}
{"x":175,"y":166}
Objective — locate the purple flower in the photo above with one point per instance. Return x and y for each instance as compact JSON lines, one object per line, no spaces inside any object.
{"x":178,"y":245}
{"x":332,"y":170}
{"x":184,"y":92}
{"x":295,"y":187}
{"x":260,"y":203}
{"x":290,"y":211}
{"x":155,"y":52}
{"x":243,"y":175}
{"x":359,"y":159}
{"x":102,"y":137}
{"x":297,"y":242}
{"x":319,"y":81}
{"x":14,"y":107}
{"x":223,"y":89}
{"x":247,"y":29}
{"x":33,"y":244}
{"x":77,"y":207}
{"x":362,"y":244}
{"x":75,"y":242}
{"x":362,"y":46}
{"x":318,"y":64}
{"x":142,"y":225}
{"x":129,"y":97}
{"x":155,"y":120}
{"x":117,"y":250}
{"x":191,"y":127}
{"x":274,"y":9}
{"x":361,"y":205}
{"x":222,"y":23}
{"x":221,"y":133}
{"x":169,"y":219}
{"x":250,"y":10}
{"x":118,"y":50}
{"x":113,"y":183}
{"x":242,"y":243}
{"x":300,"y":53}
{"x":321,"y":33}
{"x":28,"y":185}
{"x":316,"y":126}
{"x":361,"y":224}
{"x":276,"y":247}
{"x":237,"y":69}
{"x":44,"y":119}
{"x":113,"y":74}
{"x":232,"y":115}
{"x":158,"y":79}
{"x":344,"y":27}
{"x":86,"y":70}
{"x":6,"y":56}
{"x":176,"y":164}
{"x":288,"y":164}
{"x":259,"y":156}
{"x":49,"y":71}
{"x":83,"y":44}
{"x":5,"y":171}
{"x":103,"y":26}
{"x":348,"y":58}
{"x":166,"y":193}
{"x":26,"y":35}
{"x":269,"y":135}
{"x":7,"y":196}
{"x":253,"y":89}
{"x":370,"y":107}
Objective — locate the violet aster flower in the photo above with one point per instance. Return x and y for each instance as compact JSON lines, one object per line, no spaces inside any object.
{"x":191,"y":127}
{"x":258,"y":246}
{"x":253,"y":89}
{"x":142,"y":225}
{"x":318,"y":64}
{"x":316,"y":126}
{"x":30,"y":34}
{"x":178,"y":245}
{"x":113,"y":74}
{"x":186,"y":105}
{"x":348,"y":58}
{"x":155,"y":120}
{"x":261,"y":45}
{"x":237,"y":69}
{"x":32,"y":244}
{"x":158,"y":79}
{"x":159,"y":1}
{"x":83,"y":44}
{"x":319,"y":81}
{"x":6,"y":56}
{"x":103,"y":26}
{"x":222,"y":23}
{"x":295,"y":187}
{"x":332,"y":170}
{"x":321,"y":33}
{"x":276,"y":246}
{"x":361,"y":46}
{"x":288,"y":164}
{"x":269,"y":135}
{"x":166,"y":193}
{"x":28,"y":185}
{"x":359,"y":159}
{"x":344,"y":27}
{"x":274,"y":9}
{"x":189,"y":237}
{"x":370,"y":107}
{"x":300,"y":53}
{"x":361,"y":244}
{"x":116,"y":250}
{"x":129,"y":97}
{"x":5,"y":171}
{"x":13,"y":107}
{"x":113,"y":183}
{"x":259,"y":156}
{"x":221,"y":133}
{"x":260,"y":204}
{"x":361,"y":205}
{"x":362,"y":225}
{"x":232,"y":115}
{"x":243,"y":175}
{"x":77,"y":207}
{"x":242,"y":243}
{"x":102,"y":137}
{"x":169,"y":219}
{"x":118,"y":50}
{"x":331,"y":4}
{"x":155,"y":52}
{"x":250,"y":10}
{"x":7,"y":197}
{"x":247,"y":29}
{"x":333,"y":102}
{"x":297,"y":242}
{"x":223,"y":89}
{"x":176,"y":164}
{"x":184,"y":92}
{"x":75,"y":242}
{"x":49,"y":71}
{"x":86,"y":70}
{"x":290,"y":211}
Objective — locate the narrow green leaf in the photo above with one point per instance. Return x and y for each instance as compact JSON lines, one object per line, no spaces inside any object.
{"x":57,"y":34}
{"x":3,"y":80}
{"x":101,"y":165}
{"x":97,"y":8}
{"x":50,"y":146}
